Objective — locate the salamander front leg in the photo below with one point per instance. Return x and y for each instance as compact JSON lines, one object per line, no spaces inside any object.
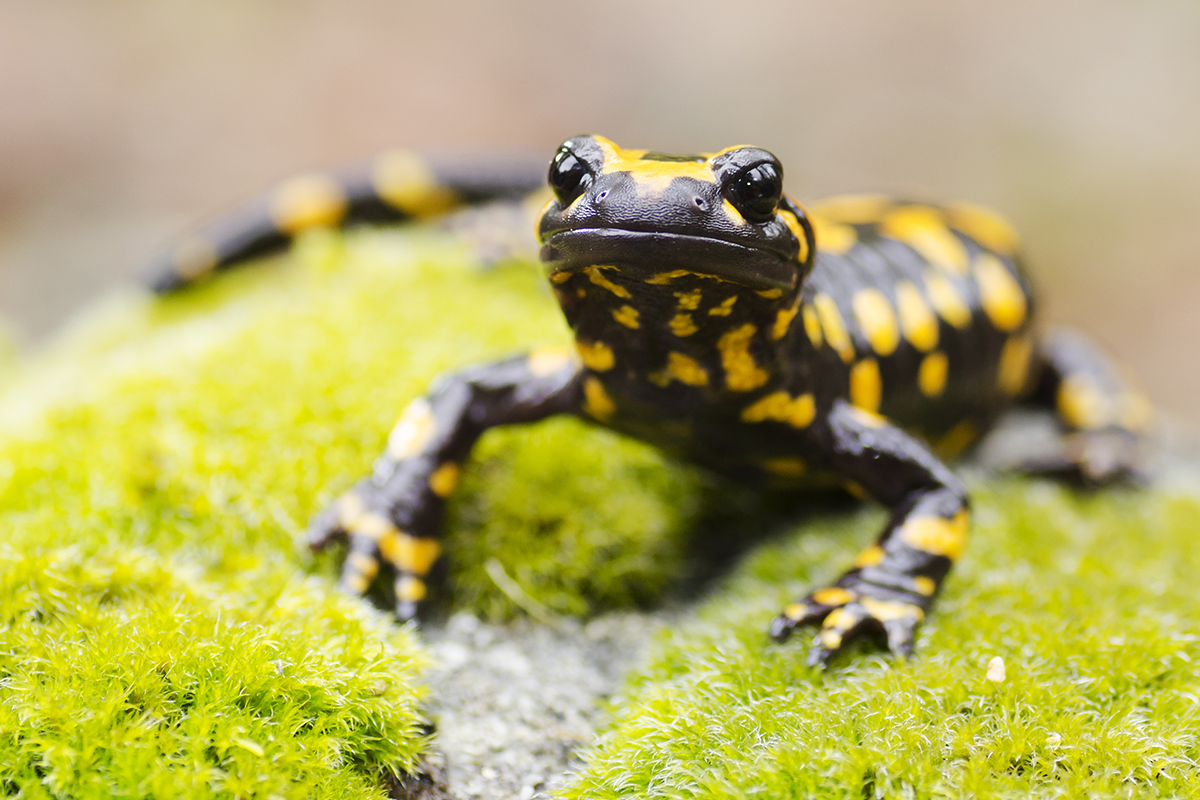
{"x":393,"y":519}
{"x":891,"y":586}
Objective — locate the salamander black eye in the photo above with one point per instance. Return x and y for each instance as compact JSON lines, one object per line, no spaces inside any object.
{"x":756,"y":192}
{"x":568,"y":176}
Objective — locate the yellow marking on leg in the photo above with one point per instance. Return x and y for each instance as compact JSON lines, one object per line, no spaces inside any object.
{"x":724,"y":309}
{"x":596,"y":277}
{"x":931,"y":376}
{"x":829,"y":638}
{"x":410,"y":589}
{"x":1012,"y":374}
{"x":785,"y":467}
{"x":663,"y":278}
{"x":922,"y":229}
{"x":194,"y":257}
{"x":410,"y":554}
{"x":832,"y":237}
{"x":561,"y":276}
{"x":596,"y":402}
{"x":925,"y":585}
{"x":742,"y":373}
{"x":833,"y":326}
{"x":403,"y":180}
{"x":795,"y":611}
{"x":947,"y":300}
{"x":999,"y":293}
{"x":413,"y":432}
{"x":1136,"y":413}
{"x":812,"y":325}
{"x":548,"y":360}
{"x":1082,"y":404}
{"x":682,"y":368}
{"x":984,"y":226}
{"x":798,"y":412}
{"x":444,"y":479}
{"x":307,"y":201}
{"x":833,"y":596}
{"x":917,"y":320}
{"x":866,"y":385}
{"x":959,"y":438}
{"x":937,"y":535}
{"x":689,"y":301}
{"x":783,"y":322}
{"x":627,"y":316}
{"x":869,"y":557}
{"x":888,"y":611}
{"x":683,"y":325}
{"x":877,"y":320}
{"x":853,"y":209}
{"x":595,"y":355}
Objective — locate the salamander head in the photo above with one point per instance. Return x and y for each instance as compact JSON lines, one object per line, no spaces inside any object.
{"x":723,"y":214}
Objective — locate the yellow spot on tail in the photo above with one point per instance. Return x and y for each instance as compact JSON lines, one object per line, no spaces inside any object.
{"x":409,"y":553}
{"x":307,"y":201}
{"x":410,"y":589}
{"x":413,"y":431}
{"x":742,"y":373}
{"x":1082,"y":404}
{"x":444,"y":479}
{"x":937,"y":535}
{"x":783,"y":321}
{"x":403,"y":180}
{"x":596,"y":277}
{"x":999,"y":293}
{"x":917,"y":320}
{"x":595,"y":356}
{"x":922,"y":229}
{"x":869,"y":557}
{"x":683,"y":325}
{"x":959,"y":438}
{"x":866,"y":385}
{"x":832,"y":237}
{"x":548,"y":360}
{"x":877,"y":320}
{"x":596,"y":402}
{"x":663,"y":278}
{"x":627,"y":316}
{"x":724,"y":309}
{"x":782,"y":407}
{"x":925,"y":585}
{"x":833,"y":326}
{"x":194,"y":257}
{"x":812,"y":325}
{"x":683,"y":369}
{"x":833,"y":596}
{"x":947,"y":300}
{"x":1012,"y":374}
{"x":795,"y":611}
{"x":785,"y":467}
{"x":984,"y":226}
{"x":689,"y":301}
{"x":931,"y":376}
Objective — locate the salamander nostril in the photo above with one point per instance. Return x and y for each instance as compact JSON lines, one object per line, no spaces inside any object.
{"x":701,"y":203}
{"x":600,"y":197}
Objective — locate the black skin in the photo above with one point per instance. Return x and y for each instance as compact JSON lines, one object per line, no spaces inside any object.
{"x":710,"y":322}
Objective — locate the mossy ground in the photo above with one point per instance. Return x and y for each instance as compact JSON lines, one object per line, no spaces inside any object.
{"x":163,"y":632}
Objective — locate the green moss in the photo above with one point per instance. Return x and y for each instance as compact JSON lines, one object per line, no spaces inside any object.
{"x":1090,"y":601}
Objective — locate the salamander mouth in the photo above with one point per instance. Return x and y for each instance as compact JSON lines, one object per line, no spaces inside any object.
{"x":654,"y":251}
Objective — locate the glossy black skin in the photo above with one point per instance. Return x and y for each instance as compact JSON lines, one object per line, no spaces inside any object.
{"x":706,"y":318}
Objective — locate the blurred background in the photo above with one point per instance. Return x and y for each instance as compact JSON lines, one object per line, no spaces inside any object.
{"x":123,"y":123}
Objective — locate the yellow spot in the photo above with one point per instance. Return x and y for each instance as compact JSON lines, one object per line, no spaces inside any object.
{"x":797,"y":230}
{"x":627,"y":316}
{"x":1012,"y":375}
{"x":999,"y":293}
{"x":783,"y":322}
{"x":984,"y":226}
{"x":795,"y":611}
{"x":548,"y":360}
{"x":877,"y":320}
{"x":959,"y":438}
{"x":833,"y":326}
{"x":724,"y":309}
{"x":937,"y":535}
{"x":652,"y":177}
{"x":917,"y":320}
{"x":946,"y":299}
{"x":840,"y":620}
{"x":770,"y":294}
{"x":869,"y":557}
{"x":785,"y":467}
{"x":782,"y":407}
{"x":403,"y":180}
{"x":866,"y":385}
{"x":194,"y":257}
{"x":682,"y":325}
{"x":413,"y":431}
{"x":596,"y":356}
{"x":663,"y":278}
{"x":931,"y":376}
{"x":925,"y":585}
{"x":357,"y":583}
{"x":683,"y":369}
{"x":410,"y":554}
{"x":561,"y":276}
{"x":689,"y":301}
{"x":595,"y":276}
{"x":922,"y":229}
{"x":853,"y":209}
{"x":887,"y":611}
{"x":444,"y":479}
{"x":1136,"y":412}
{"x":868,"y":419}
{"x":856,"y":490}
{"x":829,"y":639}
{"x":832,"y":237}
{"x":370,"y":526}
{"x":1082,"y":404}
{"x":833,"y":596}
{"x":812,"y":325}
{"x":410,"y":589}
{"x":742,"y":374}
{"x":363,"y":564}
{"x":307,"y":201}
{"x":596,"y":402}
{"x":732,"y":214}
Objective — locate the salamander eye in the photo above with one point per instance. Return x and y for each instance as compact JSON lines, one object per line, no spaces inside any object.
{"x":568,"y":176}
{"x":757,"y":191}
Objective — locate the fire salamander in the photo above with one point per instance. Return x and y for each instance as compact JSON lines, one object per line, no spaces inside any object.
{"x":854,"y":344}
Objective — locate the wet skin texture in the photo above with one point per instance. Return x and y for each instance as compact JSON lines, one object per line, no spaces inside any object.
{"x":852,"y":345}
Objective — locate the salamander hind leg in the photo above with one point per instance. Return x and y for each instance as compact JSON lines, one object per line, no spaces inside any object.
{"x":890,"y":587}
